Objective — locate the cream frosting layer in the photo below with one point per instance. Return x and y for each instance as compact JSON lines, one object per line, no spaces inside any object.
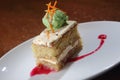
{"x":43,"y":39}
{"x":63,"y":54}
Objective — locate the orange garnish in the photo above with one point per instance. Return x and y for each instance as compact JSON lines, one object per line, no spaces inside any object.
{"x":51,"y":28}
{"x":48,"y":9}
{"x":48,"y":34}
{"x":51,"y":10}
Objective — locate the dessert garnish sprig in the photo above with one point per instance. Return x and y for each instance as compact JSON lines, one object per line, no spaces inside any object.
{"x":51,"y":10}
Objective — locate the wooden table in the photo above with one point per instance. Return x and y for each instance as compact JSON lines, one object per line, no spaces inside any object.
{"x":20,"y":20}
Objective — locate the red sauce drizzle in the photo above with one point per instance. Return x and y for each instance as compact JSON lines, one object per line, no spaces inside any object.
{"x":101,"y":37}
{"x":40,"y":70}
{"x":44,"y":70}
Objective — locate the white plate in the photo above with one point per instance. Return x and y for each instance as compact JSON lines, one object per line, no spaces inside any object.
{"x":17,"y":63}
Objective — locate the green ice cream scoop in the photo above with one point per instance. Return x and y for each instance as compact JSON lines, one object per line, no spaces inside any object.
{"x":58,"y":20}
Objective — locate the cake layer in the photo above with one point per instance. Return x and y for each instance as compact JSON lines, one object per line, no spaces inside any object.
{"x":58,"y":46}
{"x":63,"y":54}
{"x":43,"y":39}
{"x":52,"y":65}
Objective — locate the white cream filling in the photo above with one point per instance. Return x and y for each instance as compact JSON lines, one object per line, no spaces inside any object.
{"x":43,"y":39}
{"x":63,"y":54}
{"x":48,"y":60}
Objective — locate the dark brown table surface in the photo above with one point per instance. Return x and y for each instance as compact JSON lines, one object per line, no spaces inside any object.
{"x":20,"y":20}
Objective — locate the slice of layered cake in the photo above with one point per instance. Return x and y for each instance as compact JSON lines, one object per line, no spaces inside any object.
{"x":58,"y":42}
